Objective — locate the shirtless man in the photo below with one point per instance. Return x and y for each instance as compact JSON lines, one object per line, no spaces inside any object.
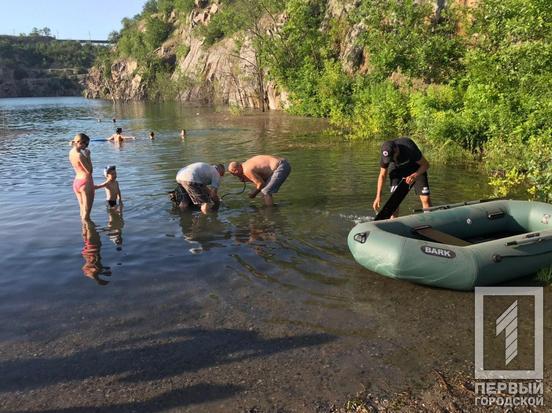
{"x":118,"y":136}
{"x":266,"y":172}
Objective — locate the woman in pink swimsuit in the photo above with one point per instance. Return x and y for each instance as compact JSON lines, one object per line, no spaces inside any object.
{"x":83,"y":185}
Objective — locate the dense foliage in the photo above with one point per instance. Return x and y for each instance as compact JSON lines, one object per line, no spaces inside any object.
{"x":471,"y":81}
{"x":37,"y":51}
{"x":478,"y":85}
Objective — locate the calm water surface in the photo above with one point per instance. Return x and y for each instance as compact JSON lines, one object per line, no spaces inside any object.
{"x":300,"y":245}
{"x":276,"y":271}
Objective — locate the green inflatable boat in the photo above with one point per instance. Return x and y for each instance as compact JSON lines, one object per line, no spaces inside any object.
{"x":459,"y":246}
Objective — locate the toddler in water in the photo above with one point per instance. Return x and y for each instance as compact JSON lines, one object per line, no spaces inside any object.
{"x":112,"y":191}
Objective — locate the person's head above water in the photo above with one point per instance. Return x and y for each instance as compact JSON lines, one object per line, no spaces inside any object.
{"x":119,"y":130}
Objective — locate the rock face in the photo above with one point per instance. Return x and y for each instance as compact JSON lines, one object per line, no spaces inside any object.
{"x":224,"y":73}
{"x":21,"y":82}
{"x":228,"y":74}
{"x":123,"y":83}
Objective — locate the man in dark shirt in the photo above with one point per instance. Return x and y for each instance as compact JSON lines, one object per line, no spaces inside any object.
{"x":401,"y":158}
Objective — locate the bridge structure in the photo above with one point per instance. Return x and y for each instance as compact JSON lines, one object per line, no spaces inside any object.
{"x":34,"y":39}
{"x":100,"y":42}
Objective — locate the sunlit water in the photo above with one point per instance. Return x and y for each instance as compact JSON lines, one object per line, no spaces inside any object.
{"x":299,"y":244}
{"x":282,"y":269}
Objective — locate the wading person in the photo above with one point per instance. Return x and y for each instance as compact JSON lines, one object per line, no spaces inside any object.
{"x":111,"y":185}
{"x":266,"y":172}
{"x":401,"y":158}
{"x":118,"y":136}
{"x":199,"y":184}
{"x":83,"y":185}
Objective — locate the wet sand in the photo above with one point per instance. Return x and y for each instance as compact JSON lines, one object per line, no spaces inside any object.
{"x":207,"y":354}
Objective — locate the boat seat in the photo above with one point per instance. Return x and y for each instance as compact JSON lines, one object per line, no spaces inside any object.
{"x":433,"y":234}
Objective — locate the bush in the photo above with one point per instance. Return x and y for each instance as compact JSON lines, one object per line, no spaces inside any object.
{"x":156,"y":32}
{"x":380,"y":110}
{"x":335,"y":89}
{"x":131,"y":44}
{"x":405,"y":35}
{"x":224,"y":23}
{"x":150,"y":7}
{"x":182,"y":51}
{"x":184,"y":6}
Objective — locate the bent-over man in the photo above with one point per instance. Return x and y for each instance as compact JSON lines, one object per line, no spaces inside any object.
{"x":266,"y":172}
{"x":401,"y":158}
{"x":199,"y":184}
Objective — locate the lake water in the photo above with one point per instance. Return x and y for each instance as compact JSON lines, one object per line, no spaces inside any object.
{"x":250,"y":306}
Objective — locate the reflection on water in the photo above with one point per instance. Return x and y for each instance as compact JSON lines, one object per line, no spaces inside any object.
{"x":257,"y":229}
{"x":201,"y":232}
{"x":301,"y":241}
{"x":332,"y":185}
{"x":93,"y":267}
{"x":115,"y":224}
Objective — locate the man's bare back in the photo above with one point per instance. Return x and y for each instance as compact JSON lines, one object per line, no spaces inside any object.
{"x":260,"y":166}
{"x":266,"y":172}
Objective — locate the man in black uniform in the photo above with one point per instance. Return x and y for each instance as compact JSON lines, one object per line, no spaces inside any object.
{"x":401,"y":158}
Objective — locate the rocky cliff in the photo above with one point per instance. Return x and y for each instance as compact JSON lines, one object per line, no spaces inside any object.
{"x":226,"y":72}
{"x":223,"y":73}
{"x":18,"y":82}
{"x":37,"y":65}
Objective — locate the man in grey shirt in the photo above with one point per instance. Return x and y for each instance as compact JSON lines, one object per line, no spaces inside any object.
{"x":198,"y":185}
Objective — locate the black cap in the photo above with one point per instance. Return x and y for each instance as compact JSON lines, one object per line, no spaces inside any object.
{"x":387,"y":149}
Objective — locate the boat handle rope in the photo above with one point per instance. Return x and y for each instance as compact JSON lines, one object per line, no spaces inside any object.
{"x":530,"y":239}
{"x":361,"y":237}
{"x":497,"y":257}
{"x":459,"y":204}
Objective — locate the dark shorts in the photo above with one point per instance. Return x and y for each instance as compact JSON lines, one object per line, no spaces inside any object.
{"x":197,"y":193}
{"x":421,"y":186}
{"x":111,"y":203}
{"x":277,"y":178}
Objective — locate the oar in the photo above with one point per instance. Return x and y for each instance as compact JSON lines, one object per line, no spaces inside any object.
{"x":394,"y":201}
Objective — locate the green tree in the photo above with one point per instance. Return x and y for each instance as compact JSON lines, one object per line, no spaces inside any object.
{"x":150,"y":7}
{"x":156,"y":32}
